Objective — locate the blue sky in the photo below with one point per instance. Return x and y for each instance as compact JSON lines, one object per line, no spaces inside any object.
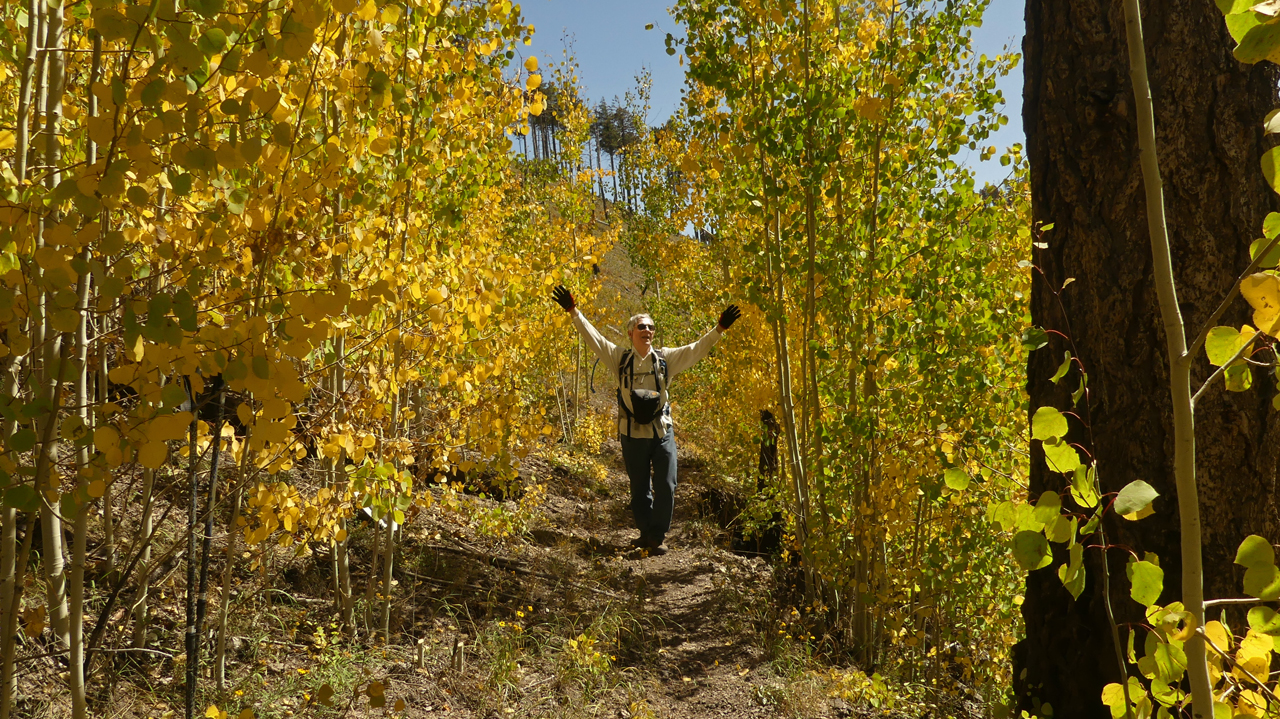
{"x":612,"y":46}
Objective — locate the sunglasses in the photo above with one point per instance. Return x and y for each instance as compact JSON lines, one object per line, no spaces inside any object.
{"x":644,"y":326}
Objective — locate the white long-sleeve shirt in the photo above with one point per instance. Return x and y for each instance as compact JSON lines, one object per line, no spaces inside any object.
{"x":678,"y":360}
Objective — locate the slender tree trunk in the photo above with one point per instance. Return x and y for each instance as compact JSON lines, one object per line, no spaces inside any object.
{"x":8,"y":681}
{"x":35,"y":10}
{"x":10,"y":588}
{"x":192,"y":639}
{"x":145,"y":529}
{"x":233,"y":534}
{"x":202,"y":600}
{"x":1082,"y":143}
{"x":371,"y":585}
{"x":228,"y":576}
{"x":342,"y":557}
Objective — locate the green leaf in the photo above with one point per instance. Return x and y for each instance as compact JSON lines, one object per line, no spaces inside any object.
{"x":1135,"y":495}
{"x":1255,"y":551}
{"x":236,"y":200}
{"x":1061,"y":457}
{"x":1262,"y":581}
{"x":1062,"y":368}
{"x":1168,"y":695}
{"x":956,"y":478}
{"x":261,"y":367}
{"x":1033,"y":338}
{"x":1146,"y":582}
{"x":1031,"y":550}
{"x":1025,"y":518}
{"x":1271,"y":225}
{"x":1259,"y":41}
{"x":1048,"y":507}
{"x":213,"y":41}
{"x":1231,"y":7}
{"x":1273,"y":257}
{"x":1072,"y":573}
{"x":1083,"y":487}
{"x":22,"y":498}
{"x":1264,"y":620}
{"x":1062,"y":529}
{"x":23,"y":440}
{"x":152,"y":92}
{"x":1003,"y":514}
{"x":173,"y":394}
{"x":1270,"y":161}
{"x":1238,"y":377}
{"x":182,"y":184}
{"x":1222,"y":343}
{"x":1048,"y":423}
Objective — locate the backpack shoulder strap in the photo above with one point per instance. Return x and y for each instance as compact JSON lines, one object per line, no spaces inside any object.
{"x":659,"y":369}
{"x":626,"y":363}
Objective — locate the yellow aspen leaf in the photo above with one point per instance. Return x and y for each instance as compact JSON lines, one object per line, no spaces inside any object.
{"x":97,"y":488}
{"x":153,"y":454}
{"x":246,"y":714}
{"x":7,"y":140}
{"x":434,"y":297}
{"x":391,"y":14}
{"x":275,"y":408}
{"x":534,"y":81}
{"x":531,"y":64}
{"x":1218,"y":634}
{"x":1262,"y":292}
{"x":367,"y":11}
{"x":106,"y":436}
{"x":169,"y":427}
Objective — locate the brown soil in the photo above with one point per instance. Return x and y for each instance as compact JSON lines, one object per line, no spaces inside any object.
{"x":690,"y":641}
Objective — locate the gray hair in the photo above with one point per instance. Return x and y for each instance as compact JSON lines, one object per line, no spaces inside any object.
{"x":635,"y":319}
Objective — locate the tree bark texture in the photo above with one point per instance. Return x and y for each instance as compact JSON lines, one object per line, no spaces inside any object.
{"x":1082,"y":145}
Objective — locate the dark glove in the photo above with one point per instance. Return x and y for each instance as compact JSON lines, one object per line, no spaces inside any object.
{"x":729,"y":316}
{"x":563,"y":298}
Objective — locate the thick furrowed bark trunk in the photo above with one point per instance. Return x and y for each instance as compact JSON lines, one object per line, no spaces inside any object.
{"x":1082,"y":142}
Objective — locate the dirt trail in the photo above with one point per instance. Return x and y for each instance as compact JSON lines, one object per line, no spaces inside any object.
{"x":695,"y":596}
{"x":682,"y":632}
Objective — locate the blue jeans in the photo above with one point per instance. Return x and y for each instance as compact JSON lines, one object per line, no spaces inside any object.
{"x":651,"y":466}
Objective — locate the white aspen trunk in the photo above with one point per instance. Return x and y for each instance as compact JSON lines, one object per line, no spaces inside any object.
{"x":8,"y":681}
{"x":372,"y":583}
{"x":139,"y":610}
{"x":35,"y":9}
{"x":54,"y":351}
{"x":233,"y":534}
{"x":341,"y":556}
{"x":80,"y":531}
{"x":1184,"y":438}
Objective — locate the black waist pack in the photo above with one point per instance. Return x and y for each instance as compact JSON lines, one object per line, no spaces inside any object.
{"x":645,"y":405}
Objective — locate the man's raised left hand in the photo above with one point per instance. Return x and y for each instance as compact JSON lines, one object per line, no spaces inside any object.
{"x":729,"y":316}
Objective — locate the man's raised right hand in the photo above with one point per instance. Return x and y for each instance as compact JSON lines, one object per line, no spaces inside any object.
{"x":563,"y":297}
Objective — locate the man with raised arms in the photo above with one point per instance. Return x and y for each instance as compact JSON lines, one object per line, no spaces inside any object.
{"x":643,"y":374}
